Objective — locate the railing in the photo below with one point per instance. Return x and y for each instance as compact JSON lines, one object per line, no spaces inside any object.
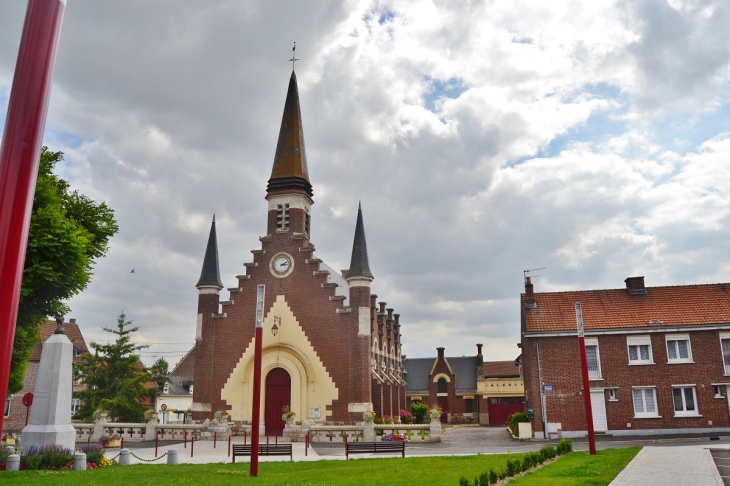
{"x":151,"y":430}
{"x":415,"y":432}
{"x":353,"y":433}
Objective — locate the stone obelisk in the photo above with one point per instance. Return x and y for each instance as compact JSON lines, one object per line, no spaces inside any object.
{"x":50,"y":415}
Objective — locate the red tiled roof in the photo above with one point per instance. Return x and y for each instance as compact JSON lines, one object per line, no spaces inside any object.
{"x":617,"y":308}
{"x":73,"y":333}
{"x":501,"y":369}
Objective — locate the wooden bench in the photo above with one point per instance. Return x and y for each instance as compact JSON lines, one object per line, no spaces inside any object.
{"x":264,"y":450}
{"x":395,"y":446}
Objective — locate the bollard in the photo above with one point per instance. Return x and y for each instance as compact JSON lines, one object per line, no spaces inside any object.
{"x":185,"y":444}
{"x":13,"y":463}
{"x":125,"y":458}
{"x":215,"y":438}
{"x":172,"y":458}
{"x":229,"y":446}
{"x":79,"y":461}
{"x":192,"y":444}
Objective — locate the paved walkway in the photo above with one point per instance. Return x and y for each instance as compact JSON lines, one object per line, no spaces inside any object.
{"x":660,"y":462}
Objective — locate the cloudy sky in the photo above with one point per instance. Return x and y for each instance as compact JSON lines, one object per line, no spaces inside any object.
{"x":483,"y":139}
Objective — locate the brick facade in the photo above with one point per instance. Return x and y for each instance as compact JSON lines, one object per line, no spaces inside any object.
{"x":656,"y":318}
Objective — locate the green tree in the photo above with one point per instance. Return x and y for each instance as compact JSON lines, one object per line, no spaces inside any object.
{"x":160,"y":371}
{"x":68,"y":233}
{"x":115,"y":378}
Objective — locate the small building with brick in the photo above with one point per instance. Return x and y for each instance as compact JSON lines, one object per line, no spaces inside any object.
{"x":658,"y":359}
{"x":503,"y":391}
{"x":15,"y":411}
{"x":174,"y":400}
{"x":330,"y":350}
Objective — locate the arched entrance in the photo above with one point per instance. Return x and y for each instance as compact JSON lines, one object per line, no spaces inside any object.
{"x":278,"y":396}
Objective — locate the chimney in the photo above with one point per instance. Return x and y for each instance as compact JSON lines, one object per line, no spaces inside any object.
{"x":529,"y":295}
{"x":72,"y":321}
{"x":635,"y":285}
{"x":382,"y":307}
{"x":441,"y":352}
{"x":479,"y":349}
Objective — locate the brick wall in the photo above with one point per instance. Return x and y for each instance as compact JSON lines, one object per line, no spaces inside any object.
{"x":560,"y":362}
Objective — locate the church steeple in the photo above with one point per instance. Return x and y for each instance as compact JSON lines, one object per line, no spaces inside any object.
{"x":359,"y":268}
{"x":210,"y":276}
{"x":289,"y":174}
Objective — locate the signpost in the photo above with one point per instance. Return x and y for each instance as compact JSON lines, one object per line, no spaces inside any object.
{"x":255,"y":419}
{"x":586,"y":384}
{"x":27,"y":401}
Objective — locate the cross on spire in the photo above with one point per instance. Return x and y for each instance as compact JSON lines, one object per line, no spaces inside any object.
{"x":293,"y":56}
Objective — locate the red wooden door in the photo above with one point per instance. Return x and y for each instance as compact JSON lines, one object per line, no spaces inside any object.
{"x":501,"y":408}
{"x":278,"y":396}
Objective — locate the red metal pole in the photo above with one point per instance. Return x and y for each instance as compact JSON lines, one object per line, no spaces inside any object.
{"x":256,"y":406}
{"x":215,"y":438}
{"x":121,"y":446}
{"x":88,"y":441}
{"x":229,"y":446}
{"x":586,"y":383}
{"x":157,"y":441}
{"x":27,"y":412}
{"x":192,"y":444}
{"x":19,"y":158}
{"x":306,"y":444}
{"x":267,"y":439}
{"x":245,"y":436}
{"x":185,"y":444}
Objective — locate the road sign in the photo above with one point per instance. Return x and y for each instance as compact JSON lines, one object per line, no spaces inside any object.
{"x":28,"y":399}
{"x":163,"y":407}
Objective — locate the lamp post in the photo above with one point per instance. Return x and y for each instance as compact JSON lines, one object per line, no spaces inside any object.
{"x":19,"y":158}
{"x":586,"y":384}
{"x":256,"y":408}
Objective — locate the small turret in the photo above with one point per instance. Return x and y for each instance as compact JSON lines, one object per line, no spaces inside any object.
{"x":359,"y":266}
{"x":210,"y":275}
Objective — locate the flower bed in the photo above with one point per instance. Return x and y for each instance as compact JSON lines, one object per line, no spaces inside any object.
{"x":394,"y":437}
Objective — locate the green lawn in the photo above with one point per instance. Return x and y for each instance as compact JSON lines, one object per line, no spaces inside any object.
{"x":409,"y":471}
{"x":580,"y":468}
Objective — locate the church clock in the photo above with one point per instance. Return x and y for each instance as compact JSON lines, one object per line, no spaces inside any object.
{"x":281,"y":265}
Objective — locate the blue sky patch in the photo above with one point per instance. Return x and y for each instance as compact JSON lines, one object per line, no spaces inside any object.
{"x":437,"y":89}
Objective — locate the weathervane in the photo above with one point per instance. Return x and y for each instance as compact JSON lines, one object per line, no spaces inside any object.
{"x":293,"y":56}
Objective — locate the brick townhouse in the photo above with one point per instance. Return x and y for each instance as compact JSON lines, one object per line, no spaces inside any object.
{"x":658,"y":359}
{"x":330,"y":350}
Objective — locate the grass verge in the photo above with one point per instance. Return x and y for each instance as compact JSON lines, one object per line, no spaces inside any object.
{"x":410,"y":471}
{"x":580,"y":468}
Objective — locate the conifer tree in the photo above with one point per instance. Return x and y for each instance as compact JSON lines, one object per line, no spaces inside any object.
{"x":115,"y":378}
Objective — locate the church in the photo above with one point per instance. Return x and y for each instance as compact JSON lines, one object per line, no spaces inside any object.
{"x":331,"y":351}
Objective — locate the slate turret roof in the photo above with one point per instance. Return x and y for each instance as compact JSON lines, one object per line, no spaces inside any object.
{"x":210,"y":275}
{"x":359,"y":266}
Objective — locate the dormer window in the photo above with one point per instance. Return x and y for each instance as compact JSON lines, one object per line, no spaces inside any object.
{"x":282,"y":216}
{"x":191,"y":389}
{"x":166,"y":388}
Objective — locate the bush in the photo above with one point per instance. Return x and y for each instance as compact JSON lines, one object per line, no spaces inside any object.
{"x":483,"y":479}
{"x":526,"y":463}
{"x":419,"y":411}
{"x":94,"y":453}
{"x":548,"y":452}
{"x":511,"y":468}
{"x":515,"y":419}
{"x":492,"y":476}
{"x":502,"y":474}
{"x":564,"y":446}
{"x":51,"y":456}
{"x":464,"y":482}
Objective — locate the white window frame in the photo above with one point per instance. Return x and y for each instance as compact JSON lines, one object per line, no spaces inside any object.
{"x":643,"y":414}
{"x":674,"y":338}
{"x":639,"y":341}
{"x":75,"y":405}
{"x":166,"y":388}
{"x":685,"y":412}
{"x":612,"y":395}
{"x":8,"y":401}
{"x":718,"y":390}
{"x":726,"y":359}
{"x":594,"y":342}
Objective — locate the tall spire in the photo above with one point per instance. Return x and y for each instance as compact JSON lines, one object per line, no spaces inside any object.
{"x":210,"y":276}
{"x":359,"y":267}
{"x":290,"y":174}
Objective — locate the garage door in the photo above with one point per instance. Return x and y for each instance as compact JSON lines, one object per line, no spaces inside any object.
{"x":501,"y":408}
{"x":598,"y":406}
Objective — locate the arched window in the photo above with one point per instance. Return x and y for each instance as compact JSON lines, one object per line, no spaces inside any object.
{"x":442,"y":385}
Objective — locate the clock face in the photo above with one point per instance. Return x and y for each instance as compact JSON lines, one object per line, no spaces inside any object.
{"x":281,"y":265}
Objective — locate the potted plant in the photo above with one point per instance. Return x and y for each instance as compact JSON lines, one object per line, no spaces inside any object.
{"x":9,"y":439}
{"x":111,"y":440}
{"x":435,"y":412}
{"x":368,"y":417}
{"x":288,"y":415}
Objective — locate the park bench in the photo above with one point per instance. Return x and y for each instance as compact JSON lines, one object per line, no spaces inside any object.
{"x":264,"y":450}
{"x":375,"y":448}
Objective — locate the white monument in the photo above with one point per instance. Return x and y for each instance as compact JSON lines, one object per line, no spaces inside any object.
{"x":50,"y":414}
